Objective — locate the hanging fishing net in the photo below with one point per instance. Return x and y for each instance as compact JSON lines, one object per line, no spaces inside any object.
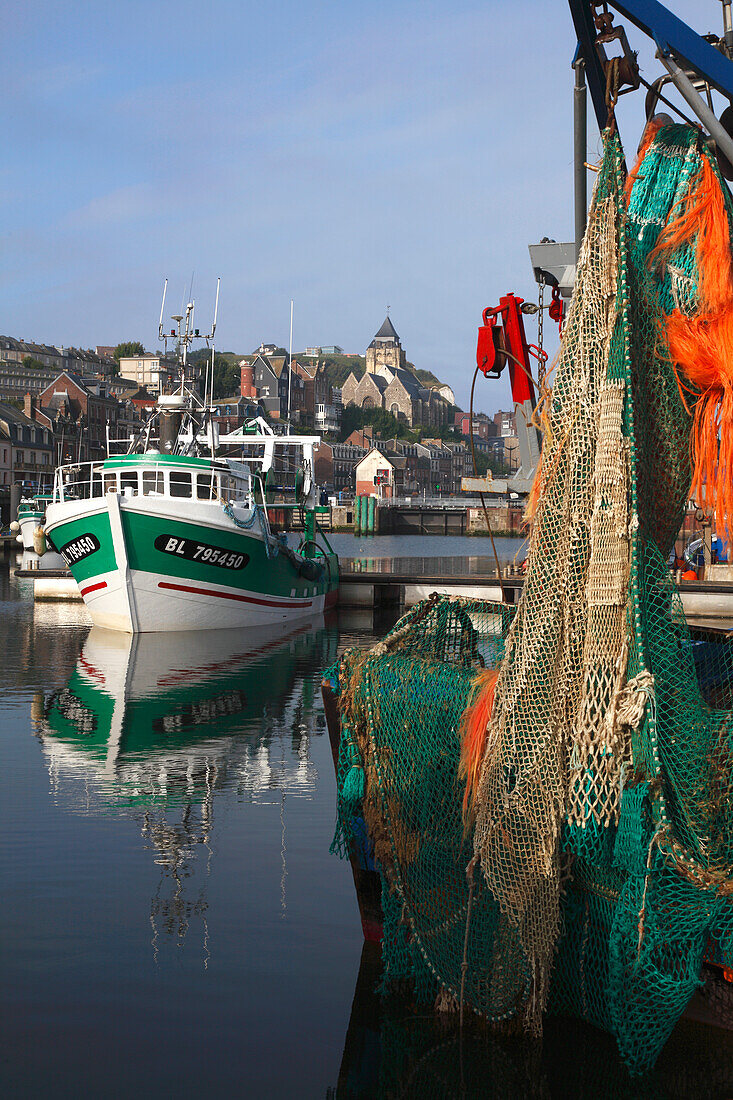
{"x":547,"y":791}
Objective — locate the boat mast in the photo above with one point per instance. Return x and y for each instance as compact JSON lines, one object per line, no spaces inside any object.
{"x":290,"y":361}
{"x":184,"y":334}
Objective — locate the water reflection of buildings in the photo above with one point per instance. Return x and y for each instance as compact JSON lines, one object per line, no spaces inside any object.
{"x":155,"y":726}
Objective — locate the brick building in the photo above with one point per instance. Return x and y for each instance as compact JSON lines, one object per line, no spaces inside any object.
{"x":335,"y":465}
{"x":78,"y":412}
{"x":483,"y":426}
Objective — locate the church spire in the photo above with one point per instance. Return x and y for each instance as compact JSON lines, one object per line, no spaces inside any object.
{"x":387,"y":331}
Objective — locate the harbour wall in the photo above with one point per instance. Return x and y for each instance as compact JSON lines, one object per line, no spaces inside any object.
{"x":449,"y":518}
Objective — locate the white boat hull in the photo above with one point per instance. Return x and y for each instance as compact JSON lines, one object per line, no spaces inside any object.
{"x":152,"y":602}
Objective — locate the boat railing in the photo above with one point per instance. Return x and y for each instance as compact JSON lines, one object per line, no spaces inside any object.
{"x":87,"y":480}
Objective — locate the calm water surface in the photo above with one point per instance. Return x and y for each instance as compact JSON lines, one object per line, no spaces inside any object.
{"x":172,"y":921}
{"x":427,"y":546}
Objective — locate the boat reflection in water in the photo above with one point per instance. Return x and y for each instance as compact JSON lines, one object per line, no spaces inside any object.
{"x":157,"y":724}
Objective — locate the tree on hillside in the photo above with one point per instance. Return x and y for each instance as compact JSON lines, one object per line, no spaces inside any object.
{"x":227,"y":375}
{"x":386,"y":426}
{"x":448,"y":432}
{"x":126,"y":350}
{"x":492,"y":462}
{"x":33,"y":364}
{"x":339,"y":367}
{"x":227,"y":378}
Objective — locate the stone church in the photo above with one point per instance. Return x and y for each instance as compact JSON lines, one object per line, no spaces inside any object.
{"x":388,"y":384}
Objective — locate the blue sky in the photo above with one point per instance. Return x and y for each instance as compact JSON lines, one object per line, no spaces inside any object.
{"x":345,"y":155}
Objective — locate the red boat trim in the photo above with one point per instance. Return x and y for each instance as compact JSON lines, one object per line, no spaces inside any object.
{"x":176,"y":676}
{"x":90,"y":668}
{"x":93,"y":587}
{"x":232,"y":596}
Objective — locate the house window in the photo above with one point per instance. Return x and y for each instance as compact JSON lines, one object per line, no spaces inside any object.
{"x":20,"y":456}
{"x":33,"y":458}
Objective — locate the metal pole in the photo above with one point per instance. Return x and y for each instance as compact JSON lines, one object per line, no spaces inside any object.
{"x":290,"y":359}
{"x":580,"y":139}
{"x":727,"y":27}
{"x":698,"y":105}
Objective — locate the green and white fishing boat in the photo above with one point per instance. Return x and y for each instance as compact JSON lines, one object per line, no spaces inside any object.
{"x":31,"y":516}
{"x":171,"y":534}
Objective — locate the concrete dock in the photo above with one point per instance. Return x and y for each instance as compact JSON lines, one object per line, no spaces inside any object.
{"x":381,"y":582}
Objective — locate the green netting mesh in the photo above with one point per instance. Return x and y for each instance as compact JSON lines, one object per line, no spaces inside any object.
{"x":596,"y":866}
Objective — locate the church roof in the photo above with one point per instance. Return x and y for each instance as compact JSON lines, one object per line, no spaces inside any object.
{"x":387,"y":331}
{"x":376,"y":380}
{"x":411,"y":383}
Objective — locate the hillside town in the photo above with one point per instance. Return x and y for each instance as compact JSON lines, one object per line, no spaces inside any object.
{"x":61,"y":404}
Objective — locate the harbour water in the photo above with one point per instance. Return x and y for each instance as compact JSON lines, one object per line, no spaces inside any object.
{"x":463,"y":547}
{"x":173,"y":923}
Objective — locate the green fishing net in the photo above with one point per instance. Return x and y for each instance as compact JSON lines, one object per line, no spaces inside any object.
{"x":594,"y":871}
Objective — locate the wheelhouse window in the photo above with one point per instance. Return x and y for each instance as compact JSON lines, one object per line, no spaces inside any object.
{"x":180,"y":483}
{"x":129,"y":480}
{"x":110,"y":483}
{"x":96,"y":490}
{"x":227,"y":486}
{"x":153,"y":482}
{"x":239,"y":489}
{"x":205,"y":487}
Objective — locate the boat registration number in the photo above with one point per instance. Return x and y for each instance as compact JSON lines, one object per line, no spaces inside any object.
{"x":80,"y":548}
{"x":201,"y":551}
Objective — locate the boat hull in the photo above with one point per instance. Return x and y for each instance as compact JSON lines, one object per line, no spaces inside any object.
{"x":148,"y":566}
{"x":28,"y":522}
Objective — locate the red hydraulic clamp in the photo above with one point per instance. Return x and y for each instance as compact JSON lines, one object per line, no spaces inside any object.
{"x":501,"y":339}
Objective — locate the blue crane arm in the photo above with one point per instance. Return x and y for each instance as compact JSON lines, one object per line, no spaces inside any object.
{"x":669,"y":33}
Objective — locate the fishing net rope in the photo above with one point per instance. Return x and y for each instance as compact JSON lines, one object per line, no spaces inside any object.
{"x":558,"y":833}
